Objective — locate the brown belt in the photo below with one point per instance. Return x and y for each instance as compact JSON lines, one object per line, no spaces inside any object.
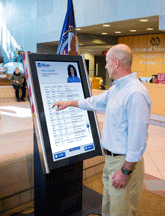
{"x":110,"y":153}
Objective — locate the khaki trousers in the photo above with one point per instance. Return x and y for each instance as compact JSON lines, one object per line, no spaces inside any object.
{"x":124,"y":201}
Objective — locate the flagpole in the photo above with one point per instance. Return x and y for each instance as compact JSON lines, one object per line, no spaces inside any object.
{"x":68,"y":44}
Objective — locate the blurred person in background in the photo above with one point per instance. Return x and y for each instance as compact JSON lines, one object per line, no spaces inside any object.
{"x":18,"y":81}
{"x":154,"y":78}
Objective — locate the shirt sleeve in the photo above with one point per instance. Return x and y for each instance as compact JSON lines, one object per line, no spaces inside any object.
{"x":94,"y":103}
{"x":138,"y":111}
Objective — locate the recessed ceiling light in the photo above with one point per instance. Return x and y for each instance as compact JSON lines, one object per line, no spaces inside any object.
{"x":143,"y":20}
{"x":133,"y":30}
{"x":81,"y":44}
{"x":150,"y":29}
{"x":104,"y":33}
{"x":117,"y":32}
{"x":106,"y":25}
{"x":78,"y":29}
{"x":97,"y":41}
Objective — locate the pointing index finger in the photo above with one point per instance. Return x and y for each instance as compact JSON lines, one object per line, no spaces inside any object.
{"x":54,"y":105}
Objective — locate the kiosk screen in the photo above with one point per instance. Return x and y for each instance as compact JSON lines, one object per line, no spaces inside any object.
{"x":69,"y":130}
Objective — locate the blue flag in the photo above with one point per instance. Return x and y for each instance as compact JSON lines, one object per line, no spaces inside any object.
{"x":68,"y":44}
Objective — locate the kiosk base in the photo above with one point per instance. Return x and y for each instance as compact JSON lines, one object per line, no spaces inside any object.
{"x":61,"y":192}
{"x":91,"y":204}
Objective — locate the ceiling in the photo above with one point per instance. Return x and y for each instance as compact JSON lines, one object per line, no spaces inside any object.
{"x":87,"y":43}
{"x":125,"y":26}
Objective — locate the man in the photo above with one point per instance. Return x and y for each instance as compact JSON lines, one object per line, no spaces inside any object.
{"x":18,"y":81}
{"x":127,"y":112}
{"x":154,"y":78}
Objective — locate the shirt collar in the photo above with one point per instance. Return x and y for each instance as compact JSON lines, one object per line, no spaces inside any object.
{"x":124,"y":80}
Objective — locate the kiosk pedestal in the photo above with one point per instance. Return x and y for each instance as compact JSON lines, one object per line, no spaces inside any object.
{"x":64,"y":137}
{"x":60,"y":191}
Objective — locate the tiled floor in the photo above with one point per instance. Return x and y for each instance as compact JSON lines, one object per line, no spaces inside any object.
{"x":17,"y":117}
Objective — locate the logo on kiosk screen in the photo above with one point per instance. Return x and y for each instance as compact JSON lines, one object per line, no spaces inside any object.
{"x":43,"y":65}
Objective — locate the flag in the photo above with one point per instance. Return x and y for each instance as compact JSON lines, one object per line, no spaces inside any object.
{"x":68,"y":44}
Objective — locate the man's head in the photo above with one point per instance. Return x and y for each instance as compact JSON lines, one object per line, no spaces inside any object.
{"x":154,"y":78}
{"x":17,"y":70}
{"x":119,"y":61}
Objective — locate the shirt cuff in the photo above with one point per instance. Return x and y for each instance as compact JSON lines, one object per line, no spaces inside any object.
{"x":81,"y":104}
{"x":133,"y":157}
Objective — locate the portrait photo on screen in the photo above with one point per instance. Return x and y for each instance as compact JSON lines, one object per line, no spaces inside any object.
{"x":72,"y":74}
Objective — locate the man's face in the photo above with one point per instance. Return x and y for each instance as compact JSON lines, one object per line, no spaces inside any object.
{"x":17,"y":71}
{"x":110,"y":65}
{"x":154,"y":79}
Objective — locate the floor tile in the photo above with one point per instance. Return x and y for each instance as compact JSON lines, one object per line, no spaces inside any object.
{"x":150,"y":177}
{"x":159,"y":158}
{"x":148,"y":160}
{"x":155,"y":173}
{"x":163,"y":174}
{"x":157,"y":185}
{"x":161,"y":167}
{"x":150,"y":167}
{"x":160,"y":193}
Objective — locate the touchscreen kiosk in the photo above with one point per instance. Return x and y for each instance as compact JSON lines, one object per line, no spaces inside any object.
{"x":71,"y":135}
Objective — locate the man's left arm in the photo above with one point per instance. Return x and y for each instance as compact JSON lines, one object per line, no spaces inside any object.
{"x":138,"y":112}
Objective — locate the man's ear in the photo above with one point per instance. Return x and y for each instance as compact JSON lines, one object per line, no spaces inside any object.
{"x":117,"y":63}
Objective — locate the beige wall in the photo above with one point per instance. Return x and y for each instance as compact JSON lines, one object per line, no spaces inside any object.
{"x":157,"y":94}
{"x":148,"y":53}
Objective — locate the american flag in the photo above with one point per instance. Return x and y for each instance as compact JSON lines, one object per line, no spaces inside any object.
{"x":68,"y":44}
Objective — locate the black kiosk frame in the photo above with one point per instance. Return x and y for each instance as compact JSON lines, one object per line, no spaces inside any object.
{"x":58,"y":184}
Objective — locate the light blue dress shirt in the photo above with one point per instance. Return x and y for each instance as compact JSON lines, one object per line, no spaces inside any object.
{"x":127,"y":106}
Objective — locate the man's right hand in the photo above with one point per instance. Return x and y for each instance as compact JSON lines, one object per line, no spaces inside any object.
{"x":64,"y":104}
{"x":61,"y":105}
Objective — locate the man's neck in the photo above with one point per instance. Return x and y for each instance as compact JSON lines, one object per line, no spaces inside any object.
{"x":122,"y":73}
